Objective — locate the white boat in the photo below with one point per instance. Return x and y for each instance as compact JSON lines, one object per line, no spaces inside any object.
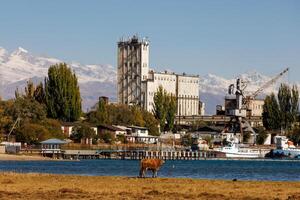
{"x":285,"y":148}
{"x":234,"y":150}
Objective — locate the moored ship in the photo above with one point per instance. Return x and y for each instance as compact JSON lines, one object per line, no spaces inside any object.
{"x":235,"y":150}
{"x":285,"y":148}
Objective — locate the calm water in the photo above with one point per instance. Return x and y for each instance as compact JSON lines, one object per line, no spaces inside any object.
{"x":204,"y":169}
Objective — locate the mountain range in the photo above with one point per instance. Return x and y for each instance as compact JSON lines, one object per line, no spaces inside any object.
{"x":95,"y":80}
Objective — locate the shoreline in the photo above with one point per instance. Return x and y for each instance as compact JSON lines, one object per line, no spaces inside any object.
{"x":22,"y":157}
{"x":49,"y":186}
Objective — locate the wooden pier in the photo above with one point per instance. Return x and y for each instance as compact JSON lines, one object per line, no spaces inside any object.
{"x":140,"y":154}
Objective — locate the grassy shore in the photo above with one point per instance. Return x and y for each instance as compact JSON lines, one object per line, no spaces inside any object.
{"x":45,"y":186}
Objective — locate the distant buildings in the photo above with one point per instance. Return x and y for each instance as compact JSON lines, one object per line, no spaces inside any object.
{"x":255,"y":108}
{"x":138,"y":85}
{"x":132,"y":134}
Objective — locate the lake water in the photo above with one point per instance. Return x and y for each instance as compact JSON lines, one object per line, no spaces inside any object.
{"x":203,"y":169}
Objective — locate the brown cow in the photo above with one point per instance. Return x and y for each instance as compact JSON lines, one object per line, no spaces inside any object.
{"x":150,"y":164}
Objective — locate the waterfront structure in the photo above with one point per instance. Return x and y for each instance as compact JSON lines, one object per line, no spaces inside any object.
{"x":137,"y":84}
{"x":52,"y":147}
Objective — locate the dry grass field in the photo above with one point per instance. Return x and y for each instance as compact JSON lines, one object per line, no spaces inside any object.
{"x":45,"y":186}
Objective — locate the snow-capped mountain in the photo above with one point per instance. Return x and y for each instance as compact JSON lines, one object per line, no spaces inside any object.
{"x":100,"y":80}
{"x":18,"y":67}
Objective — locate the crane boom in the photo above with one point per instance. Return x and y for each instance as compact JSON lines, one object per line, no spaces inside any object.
{"x":247,"y":99}
{"x":269,"y":83}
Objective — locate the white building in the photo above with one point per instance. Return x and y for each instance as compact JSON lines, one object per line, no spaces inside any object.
{"x":140,"y":135}
{"x":256,"y":107}
{"x":138,"y":85}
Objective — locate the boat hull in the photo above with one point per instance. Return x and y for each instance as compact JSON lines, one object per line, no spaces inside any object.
{"x":239,"y":155}
{"x":292,"y":153}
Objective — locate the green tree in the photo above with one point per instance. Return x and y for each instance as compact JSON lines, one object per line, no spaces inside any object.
{"x":151,"y":123}
{"x":262,"y":136}
{"x":187,"y":140}
{"x":284,"y":99}
{"x":107,"y":137}
{"x":159,"y":109}
{"x":171,"y":111}
{"x":164,"y":109}
{"x":271,"y":113}
{"x":102,"y":110}
{"x":288,"y":100}
{"x":294,"y":135}
{"x":295,"y":103}
{"x":26,"y":109}
{"x":82,"y":131}
{"x":62,"y":93}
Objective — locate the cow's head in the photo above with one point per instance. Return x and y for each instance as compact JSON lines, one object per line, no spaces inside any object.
{"x":161,"y":162}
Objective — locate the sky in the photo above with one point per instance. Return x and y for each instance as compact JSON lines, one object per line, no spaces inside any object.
{"x":197,"y":37}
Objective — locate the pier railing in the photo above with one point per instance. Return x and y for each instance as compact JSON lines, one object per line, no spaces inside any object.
{"x":138,"y":154}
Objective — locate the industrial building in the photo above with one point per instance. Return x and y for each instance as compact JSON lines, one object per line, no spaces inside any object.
{"x":137,"y":84}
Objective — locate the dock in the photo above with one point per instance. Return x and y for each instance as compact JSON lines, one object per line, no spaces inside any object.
{"x":140,"y":154}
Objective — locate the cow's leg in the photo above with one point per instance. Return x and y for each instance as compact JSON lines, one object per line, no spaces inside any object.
{"x":153,"y":173}
{"x":141,"y":172}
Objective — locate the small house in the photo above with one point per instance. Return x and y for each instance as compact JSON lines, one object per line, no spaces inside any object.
{"x":114,"y":130}
{"x":140,"y":135}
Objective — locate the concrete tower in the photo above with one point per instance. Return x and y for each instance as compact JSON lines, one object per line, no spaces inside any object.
{"x":133,"y":68}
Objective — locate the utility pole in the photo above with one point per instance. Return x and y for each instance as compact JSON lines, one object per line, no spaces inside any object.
{"x":14,"y":126}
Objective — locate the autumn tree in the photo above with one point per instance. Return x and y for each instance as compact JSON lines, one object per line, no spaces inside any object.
{"x":5,"y":120}
{"x":29,"y":89}
{"x":39,"y":94}
{"x":31,"y":133}
{"x":120,"y":114}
